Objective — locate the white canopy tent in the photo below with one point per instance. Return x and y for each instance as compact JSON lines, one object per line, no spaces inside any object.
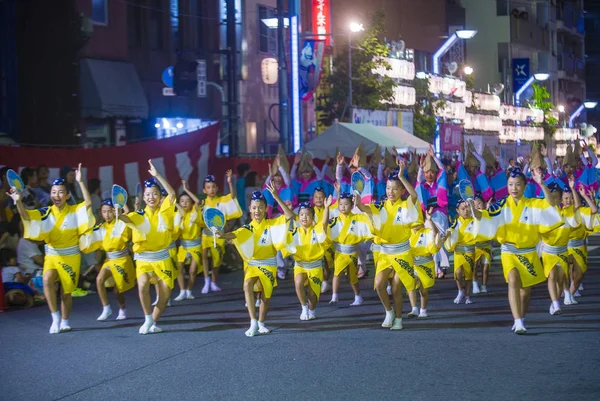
{"x":347,"y":137}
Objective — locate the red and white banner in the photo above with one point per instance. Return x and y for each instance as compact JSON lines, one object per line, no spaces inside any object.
{"x":321,"y":18}
{"x":184,"y":157}
{"x":451,"y":137}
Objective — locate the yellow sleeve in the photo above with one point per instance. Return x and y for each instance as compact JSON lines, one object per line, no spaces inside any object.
{"x":168,"y":211}
{"x":91,"y":240}
{"x":452,"y":238}
{"x":545,"y":216}
{"x":364,"y":227}
{"x":244,"y":241}
{"x":139,"y":223}
{"x":39,"y":225}
{"x":230,"y":207}
{"x":279,"y":230}
{"x":85,"y":218}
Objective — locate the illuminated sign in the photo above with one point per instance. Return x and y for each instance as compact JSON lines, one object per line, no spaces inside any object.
{"x":321,"y":11}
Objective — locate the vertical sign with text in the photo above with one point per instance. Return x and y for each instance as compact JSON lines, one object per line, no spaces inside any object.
{"x":321,"y":17}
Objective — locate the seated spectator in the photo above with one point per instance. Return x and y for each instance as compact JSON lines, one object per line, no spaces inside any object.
{"x":16,"y":291}
{"x":68,"y":174}
{"x":42,"y":176}
{"x":28,"y":196}
{"x":9,"y":236}
{"x":95,"y":192}
{"x":29,"y":257}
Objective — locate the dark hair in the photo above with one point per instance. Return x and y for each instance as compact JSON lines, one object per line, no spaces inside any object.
{"x":41,"y":166}
{"x":93,"y":185}
{"x":516,"y":173}
{"x":182,"y":195}
{"x":242,"y":168}
{"x":6,"y":254}
{"x":26,"y":174}
{"x":251,"y":179}
{"x":3,"y":172}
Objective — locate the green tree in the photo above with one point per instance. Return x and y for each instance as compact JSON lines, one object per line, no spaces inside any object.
{"x":369,"y":91}
{"x":539,"y":100}
{"x":424,"y":120}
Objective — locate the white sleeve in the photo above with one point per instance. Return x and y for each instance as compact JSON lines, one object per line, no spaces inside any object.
{"x":323,"y":172}
{"x":338,"y":173}
{"x":268,"y":180}
{"x":380,"y":172}
{"x":526,"y":169}
{"x":286,"y":177}
{"x":293,"y":172}
{"x":317,"y":172}
{"x":420,"y":175}
{"x":439,"y":163}
{"x":365,"y":172}
{"x":549,"y":164}
{"x":502,"y":163}
{"x":483,"y":164}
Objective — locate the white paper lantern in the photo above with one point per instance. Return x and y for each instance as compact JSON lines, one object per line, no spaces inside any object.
{"x":268,"y":68}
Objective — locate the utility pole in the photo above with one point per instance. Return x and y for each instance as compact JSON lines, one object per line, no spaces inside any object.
{"x":232,"y":79}
{"x":284,"y":122}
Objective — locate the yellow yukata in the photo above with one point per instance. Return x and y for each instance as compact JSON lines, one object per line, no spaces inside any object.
{"x":346,"y":232}
{"x":462,"y":237}
{"x":258,"y":244}
{"x":189,"y":233}
{"x":329,"y":251}
{"x":577,"y":245}
{"x":392,"y":228}
{"x":152,"y":235}
{"x":112,"y":238}
{"x":517,"y":227}
{"x":483,"y":252}
{"x":423,"y":247}
{"x":60,"y":230}
{"x":308,"y":247}
{"x":232,"y":210}
{"x":554,"y":245}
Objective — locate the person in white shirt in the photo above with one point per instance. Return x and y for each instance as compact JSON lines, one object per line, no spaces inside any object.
{"x":29,"y":256}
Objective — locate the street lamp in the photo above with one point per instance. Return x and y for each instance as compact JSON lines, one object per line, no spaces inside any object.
{"x":355,"y":27}
{"x":540,"y":76}
{"x":576,"y":113}
{"x":468,"y":70}
{"x":462,"y":34}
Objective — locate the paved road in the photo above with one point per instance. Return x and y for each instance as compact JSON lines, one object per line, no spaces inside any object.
{"x":464,"y":352}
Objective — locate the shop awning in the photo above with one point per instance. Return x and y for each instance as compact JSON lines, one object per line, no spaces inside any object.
{"x":111,"y":89}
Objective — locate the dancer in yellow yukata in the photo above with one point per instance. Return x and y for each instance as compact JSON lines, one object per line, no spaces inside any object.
{"x":347,"y":231}
{"x":554,"y":244}
{"x":319,"y":199}
{"x":517,"y":224}
{"x":392,"y":221}
{"x":190,"y":223}
{"x":578,"y":252}
{"x":60,"y":227}
{"x":483,"y":256}
{"x":258,"y":243}
{"x":425,"y":242}
{"x":111,"y":236}
{"x":230,"y":207}
{"x":461,"y":238}
{"x":152,"y":235}
{"x":308,"y":245}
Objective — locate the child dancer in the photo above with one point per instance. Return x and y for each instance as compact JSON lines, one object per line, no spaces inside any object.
{"x":258,"y":243}
{"x":60,"y":227}
{"x":230,"y":207}
{"x":483,"y":255}
{"x":111,"y":236}
{"x":190,"y":222}
{"x":391,"y":222}
{"x":310,"y":176}
{"x":308,"y":245}
{"x":152,"y":234}
{"x":517,"y":223}
{"x":425,"y":241}
{"x":319,"y":208}
{"x":461,"y":238}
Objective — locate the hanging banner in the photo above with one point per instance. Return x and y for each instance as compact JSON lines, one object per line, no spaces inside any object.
{"x":321,"y":19}
{"x":311,"y":66}
{"x":451,"y":136}
{"x":520,"y":72}
{"x":182,"y":157}
{"x":323,"y":97}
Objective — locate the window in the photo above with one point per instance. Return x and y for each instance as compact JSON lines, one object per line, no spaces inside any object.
{"x":100,"y":12}
{"x":267,"y":37}
{"x":501,"y":8}
{"x":155,"y":25}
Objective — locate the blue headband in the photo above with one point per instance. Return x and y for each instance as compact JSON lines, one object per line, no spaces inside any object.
{"x":151,"y":183}
{"x":58,"y":181}
{"x":319,"y":189}
{"x":459,"y":201}
{"x":346,"y":195}
{"x":478,"y":196}
{"x":553,"y":187}
{"x":258,"y":196}
{"x":107,"y":202}
{"x":567,"y":190}
{"x":304,"y":205}
{"x":209,"y":178}
{"x":516,"y":172}
{"x":163,"y":192}
{"x":393,"y":176}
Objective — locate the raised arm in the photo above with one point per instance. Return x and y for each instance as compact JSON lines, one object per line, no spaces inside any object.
{"x":327,"y":204}
{"x":16,"y":197}
{"x":363,"y":208}
{"x":87,"y":198}
{"x":589,"y":198}
{"x":170,"y":191}
{"x":576,"y":200}
{"x":411,"y":190}
{"x":289,"y":214}
{"x":539,"y":179}
{"x":232,"y":190}
{"x":189,"y":193}
{"x":482,"y":163}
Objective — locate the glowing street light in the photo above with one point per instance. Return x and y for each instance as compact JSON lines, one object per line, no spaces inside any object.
{"x":462,"y":34}
{"x":540,"y":76}
{"x":356,"y":27}
{"x":468,"y":70}
{"x":561,"y":108}
{"x":586,"y":105}
{"x":590,"y":105}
